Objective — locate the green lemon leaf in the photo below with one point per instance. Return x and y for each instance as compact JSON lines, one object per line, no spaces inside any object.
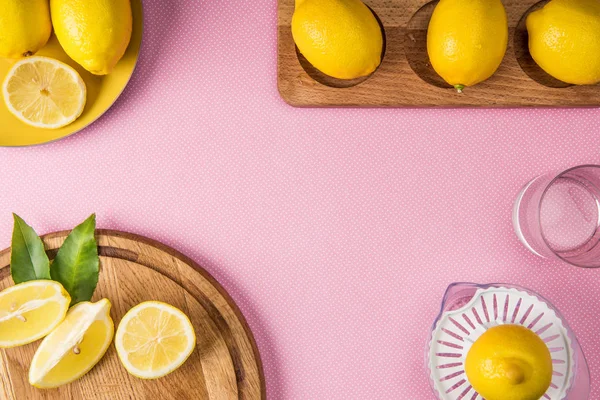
{"x":76,"y":264}
{"x":28,"y":259}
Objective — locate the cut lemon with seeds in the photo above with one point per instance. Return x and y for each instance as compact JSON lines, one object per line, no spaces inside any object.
{"x":74,"y":347}
{"x":44,"y":93}
{"x":31,"y":310}
{"x":154,"y":339}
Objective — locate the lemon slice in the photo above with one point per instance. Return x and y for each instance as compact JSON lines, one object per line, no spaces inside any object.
{"x":31,"y":310}
{"x":74,"y":347}
{"x":154,"y":339}
{"x":44,"y":93}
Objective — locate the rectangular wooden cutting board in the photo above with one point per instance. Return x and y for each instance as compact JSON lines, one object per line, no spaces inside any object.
{"x":405,"y":77}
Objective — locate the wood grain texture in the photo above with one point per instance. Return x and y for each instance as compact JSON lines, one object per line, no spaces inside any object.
{"x":225,"y":365}
{"x":405,"y":77}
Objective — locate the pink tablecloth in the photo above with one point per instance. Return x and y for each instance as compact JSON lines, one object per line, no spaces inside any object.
{"x":336,"y":231}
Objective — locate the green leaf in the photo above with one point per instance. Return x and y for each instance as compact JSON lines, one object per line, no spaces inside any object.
{"x":28,"y":259}
{"x":76,"y":264}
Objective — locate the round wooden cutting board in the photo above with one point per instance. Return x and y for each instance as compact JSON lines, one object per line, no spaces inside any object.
{"x":225,"y":365}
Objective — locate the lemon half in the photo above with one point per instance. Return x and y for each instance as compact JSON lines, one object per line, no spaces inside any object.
{"x":74,"y":347}
{"x":44,"y":92}
{"x":31,"y":310}
{"x":154,"y":339}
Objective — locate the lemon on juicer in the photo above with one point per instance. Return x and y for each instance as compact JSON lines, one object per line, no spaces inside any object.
{"x":25,"y":27}
{"x":564,"y":40}
{"x":95,"y":34}
{"x":467,"y":40}
{"x":509,"y":362}
{"x":341,"y":38}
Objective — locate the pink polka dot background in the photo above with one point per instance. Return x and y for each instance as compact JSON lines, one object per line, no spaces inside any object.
{"x":336,"y":230}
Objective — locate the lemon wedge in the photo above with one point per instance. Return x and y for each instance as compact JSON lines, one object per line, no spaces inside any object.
{"x":31,"y":310}
{"x":44,"y":93}
{"x":154,"y":339}
{"x":74,"y":347}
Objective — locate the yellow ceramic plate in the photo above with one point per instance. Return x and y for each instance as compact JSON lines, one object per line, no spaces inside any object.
{"x":102,"y":91}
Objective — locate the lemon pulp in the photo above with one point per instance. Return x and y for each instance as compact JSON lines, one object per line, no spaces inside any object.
{"x":44,"y":93}
{"x":74,"y":347}
{"x":31,"y":310}
{"x":153,"y":339}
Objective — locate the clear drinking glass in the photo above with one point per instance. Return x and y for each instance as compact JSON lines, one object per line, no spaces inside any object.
{"x":557,"y":215}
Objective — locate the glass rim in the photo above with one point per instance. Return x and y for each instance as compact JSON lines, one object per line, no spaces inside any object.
{"x":539,"y":219}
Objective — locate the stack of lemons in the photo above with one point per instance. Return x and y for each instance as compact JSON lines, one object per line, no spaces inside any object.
{"x":152,"y":340}
{"x":44,"y":92}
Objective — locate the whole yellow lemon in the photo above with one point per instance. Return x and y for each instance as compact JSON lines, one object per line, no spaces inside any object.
{"x":509,"y":362}
{"x":467,"y":40}
{"x":564,"y":40}
{"x":25,"y":27}
{"x":340,"y":38}
{"x":95,"y":34}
